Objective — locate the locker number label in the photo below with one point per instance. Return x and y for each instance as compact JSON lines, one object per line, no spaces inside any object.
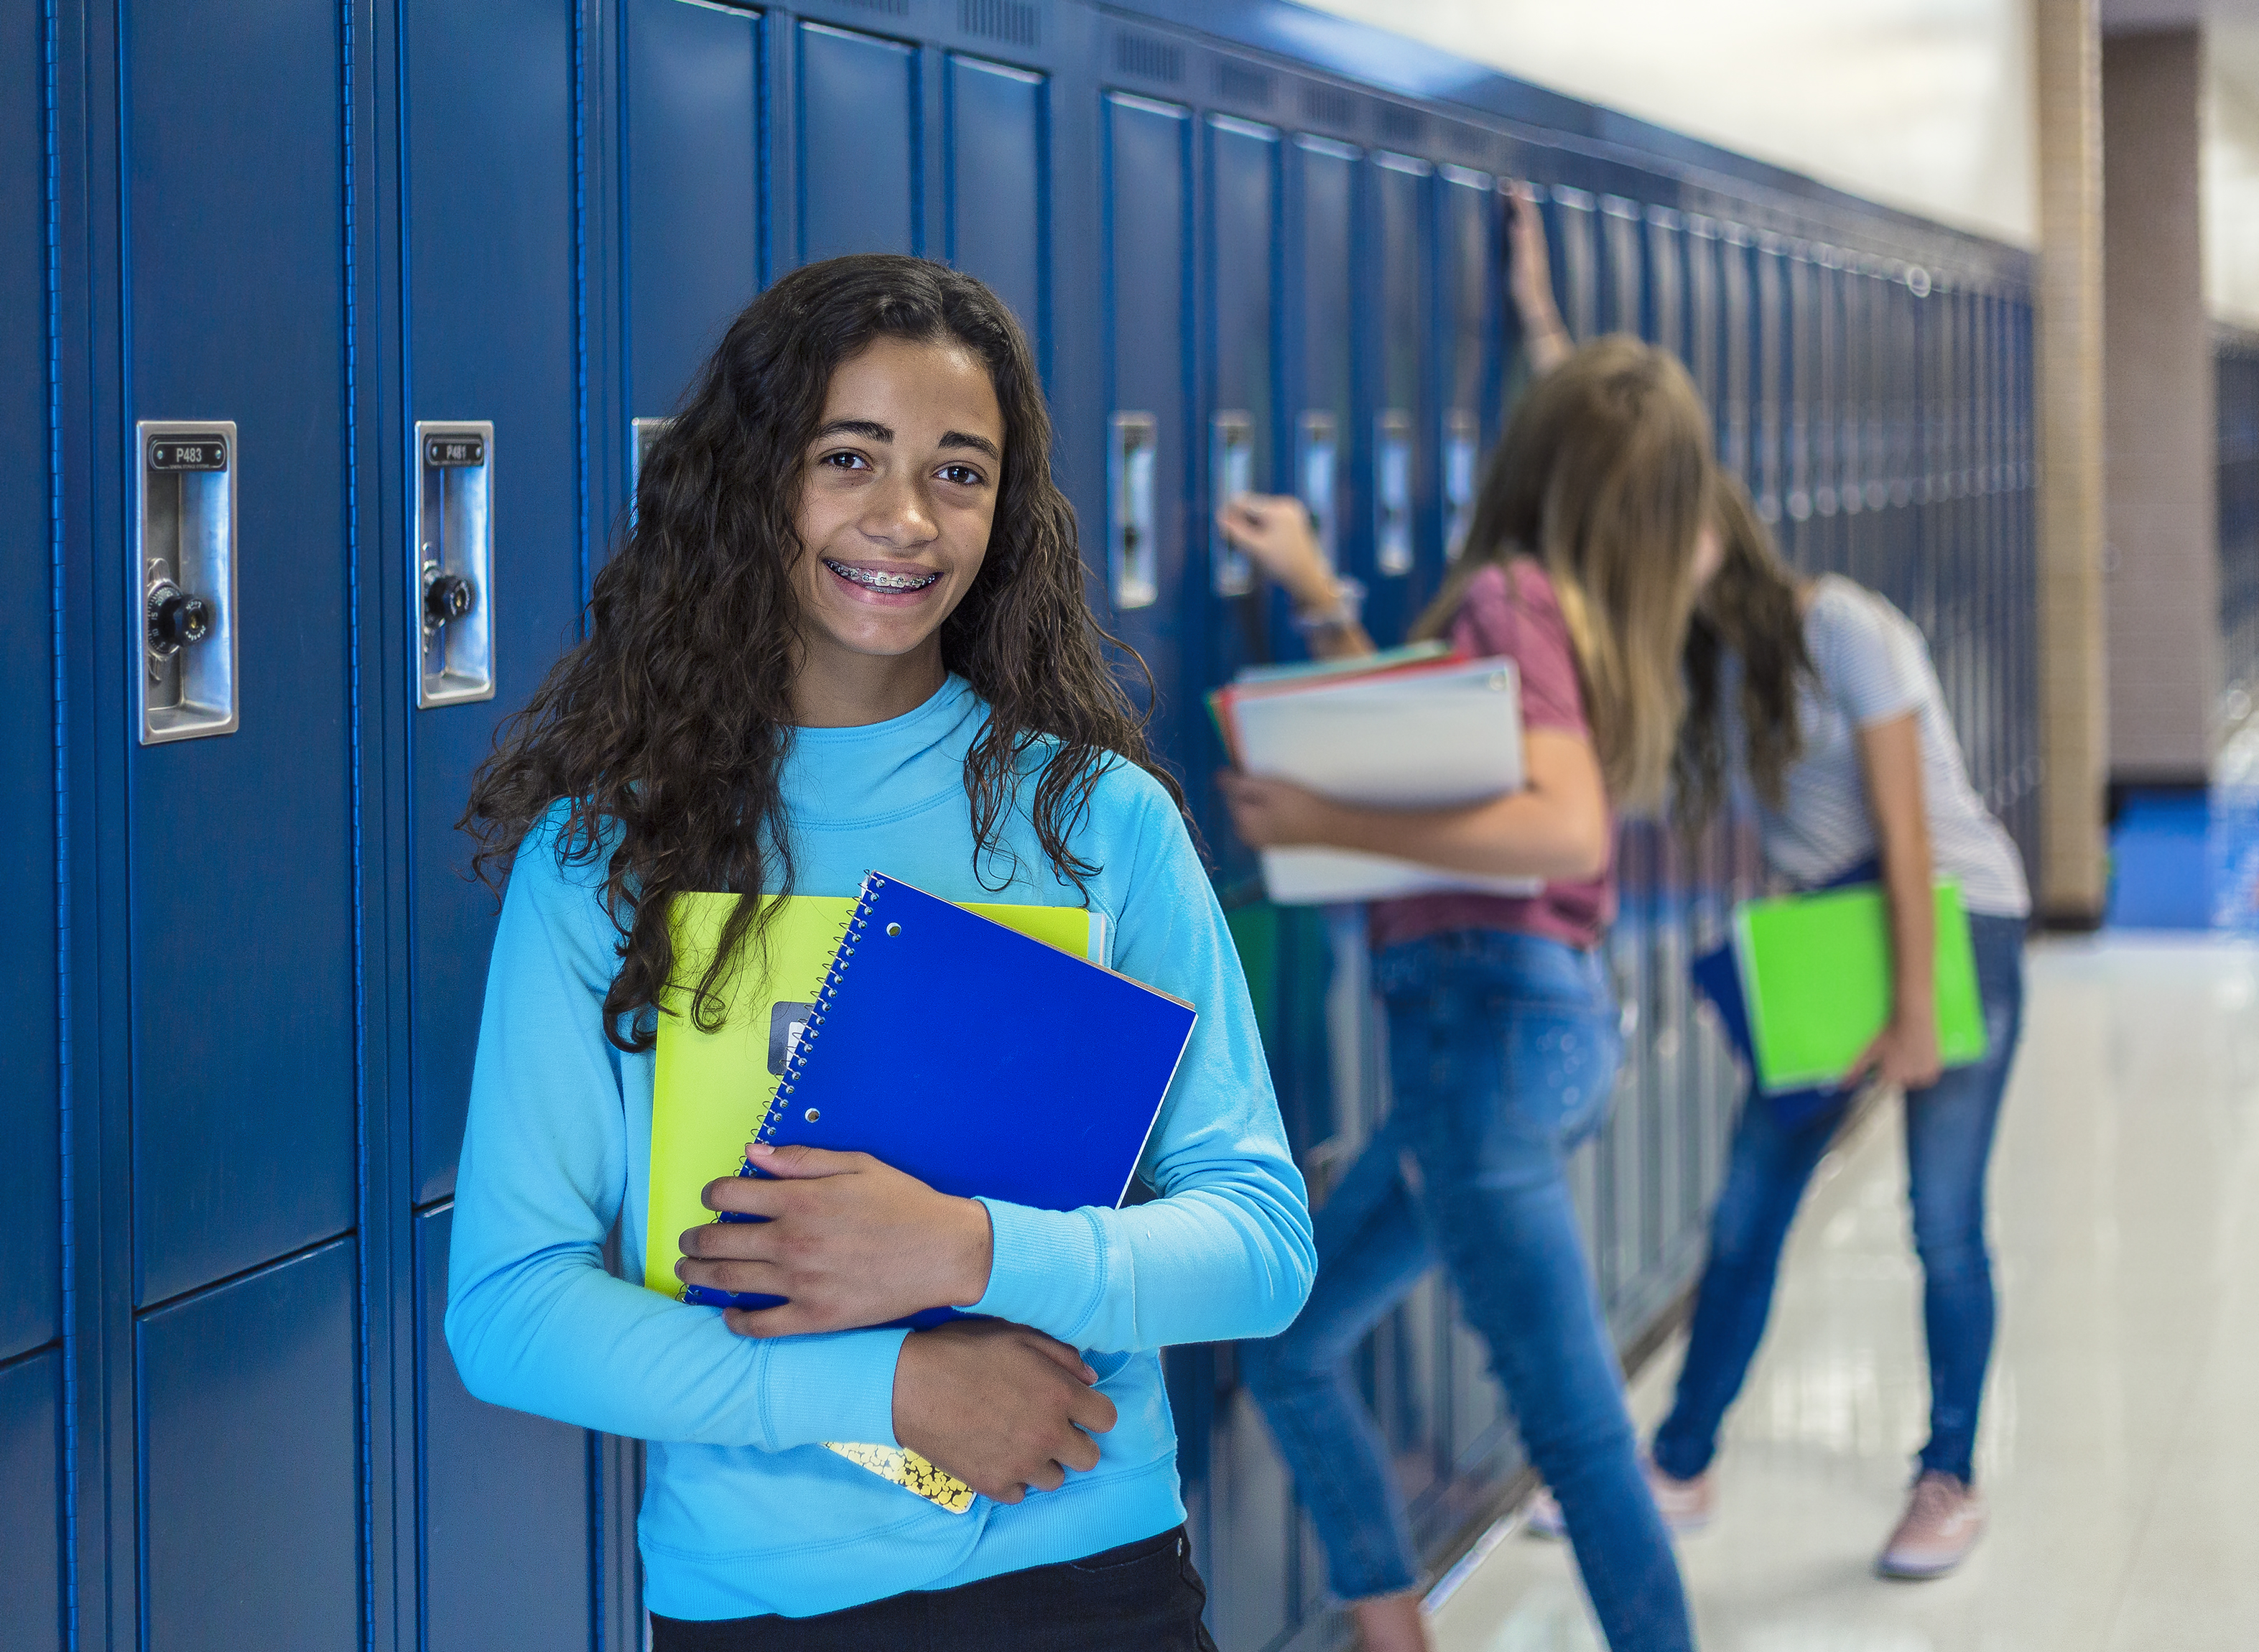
{"x":451,"y":450}
{"x":191,"y":452}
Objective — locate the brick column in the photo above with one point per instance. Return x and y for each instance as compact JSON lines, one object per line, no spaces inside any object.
{"x":2162,"y":477}
{"x":2074,"y":707}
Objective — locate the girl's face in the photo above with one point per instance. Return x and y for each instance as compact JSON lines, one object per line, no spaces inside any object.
{"x":898,"y":490}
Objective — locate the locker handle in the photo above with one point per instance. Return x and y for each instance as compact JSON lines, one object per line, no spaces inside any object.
{"x":182,"y":584}
{"x":451,"y":563}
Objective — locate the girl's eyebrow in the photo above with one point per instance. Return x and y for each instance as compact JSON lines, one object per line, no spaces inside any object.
{"x":871,"y":430}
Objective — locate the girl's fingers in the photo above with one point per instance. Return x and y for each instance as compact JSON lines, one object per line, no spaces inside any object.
{"x":797,"y":1163}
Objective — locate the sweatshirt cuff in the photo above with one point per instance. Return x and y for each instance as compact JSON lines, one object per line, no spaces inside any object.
{"x":838,"y":1386}
{"x":1045,"y":1270}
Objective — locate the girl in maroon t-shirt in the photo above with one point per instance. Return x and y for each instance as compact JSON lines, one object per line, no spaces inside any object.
{"x":1588,"y":543}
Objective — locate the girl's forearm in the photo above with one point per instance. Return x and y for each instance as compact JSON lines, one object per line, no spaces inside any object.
{"x":1524,"y":834}
{"x":1908,"y":879}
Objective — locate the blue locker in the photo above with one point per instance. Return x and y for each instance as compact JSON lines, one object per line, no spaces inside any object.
{"x":998,"y":193}
{"x":31,"y":1213}
{"x":1327,"y":433}
{"x":691,"y":212}
{"x":1148,"y":192}
{"x":1405,"y":558}
{"x":492,"y":337}
{"x":1770,"y":381}
{"x":248,"y":1475}
{"x":860,"y":182}
{"x":243,"y":882}
{"x":30,"y":1504}
{"x":1737,"y":379}
{"x":1237,"y":447}
{"x":1472,"y":273}
{"x":505,"y":1541}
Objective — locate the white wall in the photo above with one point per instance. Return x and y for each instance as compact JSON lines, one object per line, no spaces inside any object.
{"x":1926,"y":104}
{"x":2231,"y":172}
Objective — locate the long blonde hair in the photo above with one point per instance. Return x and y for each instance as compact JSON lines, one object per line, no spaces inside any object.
{"x":1604,"y":478}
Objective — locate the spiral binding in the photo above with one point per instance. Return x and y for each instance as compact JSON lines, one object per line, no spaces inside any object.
{"x":842,"y":953}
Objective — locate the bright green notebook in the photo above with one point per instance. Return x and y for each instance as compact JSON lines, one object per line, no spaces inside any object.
{"x":1816,"y":974}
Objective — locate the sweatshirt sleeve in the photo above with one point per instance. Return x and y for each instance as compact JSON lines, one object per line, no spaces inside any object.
{"x":535,"y":1320}
{"x":1225,"y":1252}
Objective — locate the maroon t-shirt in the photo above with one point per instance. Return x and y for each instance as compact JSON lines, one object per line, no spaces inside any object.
{"x":1511,"y":610}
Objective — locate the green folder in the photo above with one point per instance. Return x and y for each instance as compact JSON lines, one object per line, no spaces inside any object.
{"x":1816,"y":975}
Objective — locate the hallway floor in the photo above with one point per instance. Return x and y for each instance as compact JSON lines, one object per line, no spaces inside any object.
{"x":2121,"y":1445}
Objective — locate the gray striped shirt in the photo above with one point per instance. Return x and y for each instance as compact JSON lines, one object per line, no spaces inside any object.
{"x":1873,"y":666}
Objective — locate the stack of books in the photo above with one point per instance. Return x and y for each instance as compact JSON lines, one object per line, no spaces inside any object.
{"x":1418,"y":727}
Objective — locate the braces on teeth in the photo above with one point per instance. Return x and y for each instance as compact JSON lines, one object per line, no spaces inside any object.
{"x":876,"y":580}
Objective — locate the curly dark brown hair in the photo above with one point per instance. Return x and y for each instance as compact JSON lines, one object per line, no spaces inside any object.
{"x":664,"y":731}
{"x":1749,"y":609}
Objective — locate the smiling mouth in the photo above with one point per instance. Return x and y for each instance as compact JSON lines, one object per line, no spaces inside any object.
{"x":878,"y":580}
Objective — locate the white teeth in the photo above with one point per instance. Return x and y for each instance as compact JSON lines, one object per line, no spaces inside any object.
{"x":873,"y":579}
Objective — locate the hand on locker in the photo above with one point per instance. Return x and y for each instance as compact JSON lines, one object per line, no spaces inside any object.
{"x":1274,"y":530}
{"x":1529,"y":282}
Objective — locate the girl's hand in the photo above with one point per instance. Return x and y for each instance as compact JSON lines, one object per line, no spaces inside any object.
{"x":1529,"y":282}
{"x":1005,"y":1409}
{"x":1274,"y":530}
{"x":851,"y":1241}
{"x":1275,"y":813}
{"x":1904,"y":1053}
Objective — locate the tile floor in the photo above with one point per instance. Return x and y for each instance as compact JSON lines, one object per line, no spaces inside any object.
{"x":2120,"y":1446}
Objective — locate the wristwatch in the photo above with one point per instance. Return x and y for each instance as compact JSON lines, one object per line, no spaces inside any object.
{"x":1340,"y":615}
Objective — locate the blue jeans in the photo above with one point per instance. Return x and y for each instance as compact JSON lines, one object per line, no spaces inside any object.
{"x":1502,"y":1054}
{"x":1948,"y":1129}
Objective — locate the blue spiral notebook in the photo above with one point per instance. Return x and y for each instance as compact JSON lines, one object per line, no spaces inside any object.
{"x":980,"y":1061}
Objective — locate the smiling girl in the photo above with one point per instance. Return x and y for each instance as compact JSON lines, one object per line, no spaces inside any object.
{"x":847,"y":631}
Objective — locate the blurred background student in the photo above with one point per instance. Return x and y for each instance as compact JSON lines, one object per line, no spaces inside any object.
{"x":1820,"y":697}
{"x":1590,"y":538}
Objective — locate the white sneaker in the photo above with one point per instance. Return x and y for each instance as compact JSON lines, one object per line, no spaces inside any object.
{"x":1944,"y":1519}
{"x":1686,"y":1505}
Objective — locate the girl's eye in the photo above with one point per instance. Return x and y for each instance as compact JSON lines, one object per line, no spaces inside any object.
{"x":963,"y":475}
{"x":844,"y":461}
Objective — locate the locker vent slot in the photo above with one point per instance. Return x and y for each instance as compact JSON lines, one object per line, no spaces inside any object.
{"x":1012,"y":21}
{"x":1154,"y":59}
{"x":1403,"y":125}
{"x":1242,"y":84}
{"x":892,"y":8}
{"x":1328,"y":106}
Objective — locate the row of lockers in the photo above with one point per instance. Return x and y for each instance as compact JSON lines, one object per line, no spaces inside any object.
{"x":325,"y":341}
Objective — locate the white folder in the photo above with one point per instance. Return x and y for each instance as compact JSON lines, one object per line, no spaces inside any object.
{"x":1416,"y":740}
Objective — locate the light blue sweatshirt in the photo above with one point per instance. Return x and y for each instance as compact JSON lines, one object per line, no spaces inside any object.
{"x":745,"y":1512}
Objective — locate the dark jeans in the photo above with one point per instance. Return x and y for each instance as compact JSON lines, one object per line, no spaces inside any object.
{"x":1143,"y":1597}
{"x":1948,"y":1129}
{"x":1502,"y":1055}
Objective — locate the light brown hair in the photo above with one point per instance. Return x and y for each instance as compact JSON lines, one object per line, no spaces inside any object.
{"x":1750,"y":610}
{"x":1603,"y":477}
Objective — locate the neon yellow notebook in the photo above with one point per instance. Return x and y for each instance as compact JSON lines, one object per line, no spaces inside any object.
{"x":710,"y":1092}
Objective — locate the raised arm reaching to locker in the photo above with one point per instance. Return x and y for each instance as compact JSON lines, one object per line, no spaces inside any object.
{"x":1275,"y":530}
{"x":847,"y":630}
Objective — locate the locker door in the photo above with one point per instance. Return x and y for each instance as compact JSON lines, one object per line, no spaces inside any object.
{"x":690,"y":214}
{"x":1628,"y":309}
{"x":31,"y":1511}
{"x":1799,"y":401}
{"x":1737,"y":379}
{"x":999,"y":199}
{"x":243,"y":882}
{"x":1770,"y":383}
{"x":248,"y":1475}
{"x":859,"y":182}
{"x":1148,"y":203}
{"x":1407,"y":559}
{"x":487,"y":186}
{"x":1242,"y":246}
{"x":31,"y":1213}
{"x":1666,"y":268}
{"x":1471,"y":294}
{"x":1326,"y":434}
{"x":487,"y":1471}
